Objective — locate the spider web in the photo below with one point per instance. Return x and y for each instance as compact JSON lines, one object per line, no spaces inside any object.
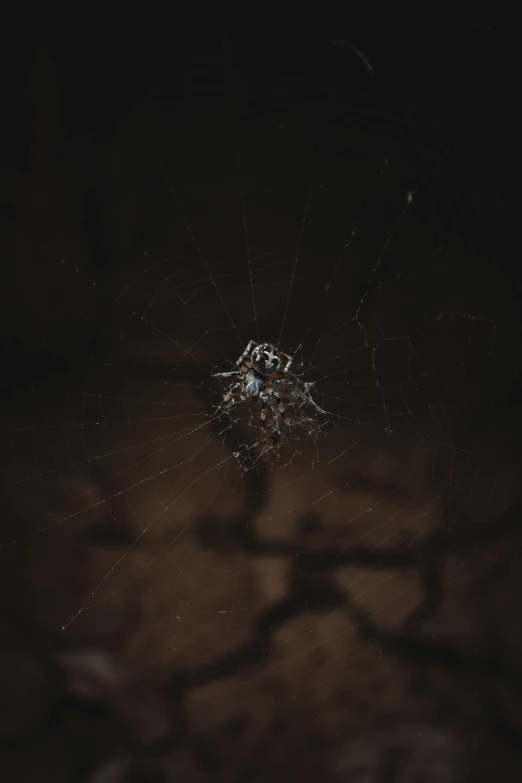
{"x":314,"y":226}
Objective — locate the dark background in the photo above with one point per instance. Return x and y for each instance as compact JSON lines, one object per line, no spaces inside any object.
{"x":117,"y":134}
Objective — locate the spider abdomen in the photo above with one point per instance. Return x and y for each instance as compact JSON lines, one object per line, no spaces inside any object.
{"x":254,"y":383}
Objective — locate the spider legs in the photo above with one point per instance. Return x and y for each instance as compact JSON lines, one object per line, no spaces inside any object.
{"x":228,"y":395}
{"x":236,"y":373}
{"x":280,"y":408}
{"x":235,"y":388}
{"x":278,"y":431}
{"x":264,"y":402}
{"x":289,"y":362}
{"x":246,"y":353}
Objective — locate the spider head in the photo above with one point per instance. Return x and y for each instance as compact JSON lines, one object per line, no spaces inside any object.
{"x":265,"y":359}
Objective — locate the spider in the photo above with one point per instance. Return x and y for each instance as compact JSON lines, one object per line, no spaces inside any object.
{"x":259,"y":366}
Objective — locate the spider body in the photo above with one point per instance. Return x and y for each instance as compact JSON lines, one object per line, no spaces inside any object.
{"x":254,"y":383}
{"x":259,"y":366}
{"x":265,"y":360}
